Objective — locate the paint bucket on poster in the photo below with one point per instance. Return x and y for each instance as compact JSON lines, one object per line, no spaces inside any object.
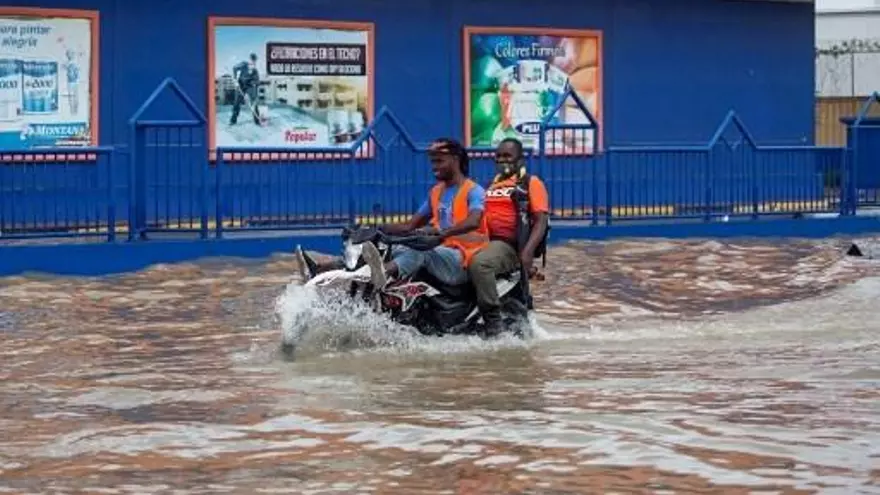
{"x":525,"y":114}
{"x":338,"y":122}
{"x":355,"y":123}
{"x":532,"y":74}
{"x":10,"y":89}
{"x":557,"y":79}
{"x":40,"y":86}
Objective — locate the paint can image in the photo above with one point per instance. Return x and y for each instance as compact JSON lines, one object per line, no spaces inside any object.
{"x":338,"y":121}
{"x":10,"y":89}
{"x":355,"y":123}
{"x":526,"y":107}
{"x":557,"y":79}
{"x":40,"y":84}
{"x":508,"y":75}
{"x":532,"y":74}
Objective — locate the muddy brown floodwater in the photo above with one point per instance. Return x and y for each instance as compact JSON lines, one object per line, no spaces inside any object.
{"x":660,"y":367}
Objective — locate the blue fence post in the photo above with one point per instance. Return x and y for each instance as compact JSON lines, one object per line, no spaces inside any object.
{"x":111,"y":195}
{"x":206,"y":169}
{"x":852,"y":186}
{"x":609,"y":201}
{"x":542,"y":158}
{"x":137,"y":195}
{"x":755,"y":192}
{"x":709,"y":177}
{"x":594,"y":207}
{"x":843,"y":192}
{"x":218,"y":194}
{"x":352,"y":188}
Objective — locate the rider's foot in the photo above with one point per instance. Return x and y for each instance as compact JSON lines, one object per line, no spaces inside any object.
{"x":494,"y":324}
{"x":307,"y":266}
{"x":377,"y":268}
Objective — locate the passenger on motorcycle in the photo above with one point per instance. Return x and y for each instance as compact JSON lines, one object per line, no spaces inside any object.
{"x":503,"y":254}
{"x":454,"y":210}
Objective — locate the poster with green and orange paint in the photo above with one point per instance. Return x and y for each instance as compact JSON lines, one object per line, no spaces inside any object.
{"x":516,"y":77}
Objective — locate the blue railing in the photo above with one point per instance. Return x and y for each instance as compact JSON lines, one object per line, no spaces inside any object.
{"x":60,"y":193}
{"x":166,"y":179}
{"x":862,"y":158}
{"x":169,"y":183}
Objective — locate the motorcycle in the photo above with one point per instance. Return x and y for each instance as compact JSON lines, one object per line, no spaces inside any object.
{"x":421,"y":301}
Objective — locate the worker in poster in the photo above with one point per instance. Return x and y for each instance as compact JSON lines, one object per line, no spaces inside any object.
{"x":247,"y":78}
{"x":313,"y":88}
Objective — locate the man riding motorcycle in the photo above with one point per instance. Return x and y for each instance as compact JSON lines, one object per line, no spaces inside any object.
{"x":513,"y":241}
{"x":454,"y":209}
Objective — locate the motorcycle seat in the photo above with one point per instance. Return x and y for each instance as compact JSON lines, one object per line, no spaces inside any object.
{"x":459,"y":291}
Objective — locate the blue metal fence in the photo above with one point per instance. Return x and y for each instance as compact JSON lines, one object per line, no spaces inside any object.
{"x":60,"y":193}
{"x":267,"y":190}
{"x":722,"y":178}
{"x":165,"y":179}
{"x":863,"y":157}
{"x":169,"y":181}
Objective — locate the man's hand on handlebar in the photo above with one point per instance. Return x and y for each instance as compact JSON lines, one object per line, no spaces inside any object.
{"x":426,"y":231}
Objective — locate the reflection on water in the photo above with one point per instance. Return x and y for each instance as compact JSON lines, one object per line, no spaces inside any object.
{"x":665,"y":367}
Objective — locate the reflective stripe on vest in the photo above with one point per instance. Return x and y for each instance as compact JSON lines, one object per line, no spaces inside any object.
{"x":470,"y":242}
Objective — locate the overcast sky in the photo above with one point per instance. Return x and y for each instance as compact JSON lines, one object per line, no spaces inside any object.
{"x":843,"y":4}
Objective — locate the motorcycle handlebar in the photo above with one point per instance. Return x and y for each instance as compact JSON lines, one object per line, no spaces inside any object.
{"x":420,"y":242}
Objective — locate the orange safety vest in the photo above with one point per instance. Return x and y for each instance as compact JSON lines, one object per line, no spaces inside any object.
{"x":470,"y":242}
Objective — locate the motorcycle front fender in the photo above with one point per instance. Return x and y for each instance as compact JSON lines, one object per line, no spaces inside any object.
{"x":341,"y":275}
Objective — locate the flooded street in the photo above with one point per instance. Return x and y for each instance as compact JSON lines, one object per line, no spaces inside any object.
{"x":660,"y":367}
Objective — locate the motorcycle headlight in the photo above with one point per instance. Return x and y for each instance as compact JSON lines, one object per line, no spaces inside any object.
{"x":351,"y":254}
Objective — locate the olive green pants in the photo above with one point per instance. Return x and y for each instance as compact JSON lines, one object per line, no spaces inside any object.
{"x":495,"y":259}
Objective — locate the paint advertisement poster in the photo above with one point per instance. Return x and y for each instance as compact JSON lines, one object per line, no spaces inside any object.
{"x":289,"y":84}
{"x":515,"y":77}
{"x":46,"y":94}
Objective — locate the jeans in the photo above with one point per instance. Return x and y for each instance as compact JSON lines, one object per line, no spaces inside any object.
{"x":495,"y":259}
{"x":239,"y":101}
{"x":444,"y":263}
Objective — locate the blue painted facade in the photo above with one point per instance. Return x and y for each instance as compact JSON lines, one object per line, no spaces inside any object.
{"x":672,"y":69}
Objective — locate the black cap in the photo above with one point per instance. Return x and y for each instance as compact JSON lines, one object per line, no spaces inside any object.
{"x":450,"y":146}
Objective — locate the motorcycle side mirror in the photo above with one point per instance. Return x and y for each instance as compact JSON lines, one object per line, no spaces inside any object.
{"x":349,"y":230}
{"x":364,"y":234}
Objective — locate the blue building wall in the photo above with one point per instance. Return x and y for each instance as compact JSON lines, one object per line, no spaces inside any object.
{"x":672,"y":68}
{"x":671,"y":71}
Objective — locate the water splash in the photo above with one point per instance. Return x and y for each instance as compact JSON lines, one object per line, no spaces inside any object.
{"x":330,"y":321}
